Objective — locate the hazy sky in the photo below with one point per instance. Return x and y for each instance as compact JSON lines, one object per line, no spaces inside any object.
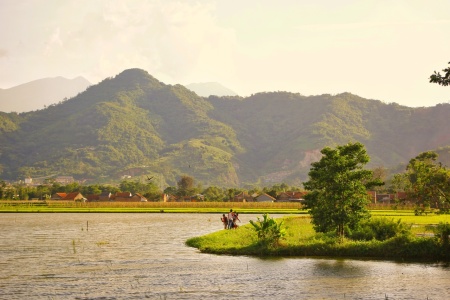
{"x":380,"y":49}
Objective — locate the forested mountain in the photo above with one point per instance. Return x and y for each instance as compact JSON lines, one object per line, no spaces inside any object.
{"x":133,"y":125}
{"x":40,"y":93}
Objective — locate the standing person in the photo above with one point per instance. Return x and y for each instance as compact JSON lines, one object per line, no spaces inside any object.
{"x":236,"y":218}
{"x":224,"y":220}
{"x":230,"y":219}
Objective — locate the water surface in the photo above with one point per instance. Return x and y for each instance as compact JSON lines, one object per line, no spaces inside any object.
{"x":143,"y":256}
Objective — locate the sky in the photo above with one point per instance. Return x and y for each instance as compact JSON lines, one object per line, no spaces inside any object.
{"x":377,"y":49}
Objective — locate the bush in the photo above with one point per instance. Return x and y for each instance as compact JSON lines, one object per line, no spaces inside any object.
{"x":380,"y":229}
{"x":442,"y":232}
{"x":268,"y":230}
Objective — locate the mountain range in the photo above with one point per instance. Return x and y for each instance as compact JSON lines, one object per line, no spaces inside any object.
{"x":135,"y":125}
{"x":40,"y":93}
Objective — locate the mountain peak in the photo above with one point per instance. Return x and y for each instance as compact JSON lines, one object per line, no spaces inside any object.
{"x":39,"y":93}
{"x":139,"y":76}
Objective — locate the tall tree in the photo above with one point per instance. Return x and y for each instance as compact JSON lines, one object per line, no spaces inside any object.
{"x":429,"y":182}
{"x":444,"y":80}
{"x":338,"y":188}
{"x":185,"y":186}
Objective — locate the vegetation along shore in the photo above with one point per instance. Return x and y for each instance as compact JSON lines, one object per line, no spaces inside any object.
{"x":340,"y":223}
{"x":402,"y":236}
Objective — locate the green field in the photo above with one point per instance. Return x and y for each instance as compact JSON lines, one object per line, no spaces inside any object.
{"x":149,"y":207}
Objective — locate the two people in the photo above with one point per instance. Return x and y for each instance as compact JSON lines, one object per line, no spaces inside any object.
{"x":230,"y":221}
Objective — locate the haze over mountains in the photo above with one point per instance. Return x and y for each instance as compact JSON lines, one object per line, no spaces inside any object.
{"x":40,"y":93}
{"x":207,"y":89}
{"x":134,"y":125}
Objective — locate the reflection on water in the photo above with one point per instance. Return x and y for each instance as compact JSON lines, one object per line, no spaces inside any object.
{"x":136,"y":256}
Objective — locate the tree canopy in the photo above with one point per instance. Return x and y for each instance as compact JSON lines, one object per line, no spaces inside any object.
{"x":338,"y":188}
{"x":428,"y":182}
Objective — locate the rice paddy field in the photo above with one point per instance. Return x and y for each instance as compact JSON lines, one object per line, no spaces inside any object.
{"x":406,"y":214}
{"x":150,"y":207}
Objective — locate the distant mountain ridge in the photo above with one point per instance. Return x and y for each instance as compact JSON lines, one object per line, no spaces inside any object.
{"x":135,"y":125}
{"x":40,"y":93}
{"x":206,"y":89}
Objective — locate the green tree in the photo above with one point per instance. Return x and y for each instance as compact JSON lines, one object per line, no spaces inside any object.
{"x":429,"y":182}
{"x":93,"y":189}
{"x":231,"y":192}
{"x":444,"y":80}
{"x":338,"y":188}
{"x":72,"y":187}
{"x":380,"y":173}
{"x":186,"y":186}
{"x":172,"y":190}
{"x":149,"y":190}
{"x":214,"y":193}
{"x":152,"y":191}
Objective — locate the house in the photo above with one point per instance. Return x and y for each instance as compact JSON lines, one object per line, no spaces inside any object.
{"x":128,"y":197}
{"x":265,"y":198}
{"x":123,"y":195}
{"x":169,"y":198}
{"x":58,"y":196}
{"x":92,"y":198}
{"x":386,"y":198}
{"x":243,"y":197}
{"x":291,"y":197}
{"x":75,"y":196}
{"x":105,"y":196}
{"x":139,"y":197}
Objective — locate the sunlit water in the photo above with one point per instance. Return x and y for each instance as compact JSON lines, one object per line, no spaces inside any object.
{"x":139,"y":256}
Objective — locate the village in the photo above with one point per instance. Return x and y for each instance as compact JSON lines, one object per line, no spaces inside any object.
{"x":289,"y":196}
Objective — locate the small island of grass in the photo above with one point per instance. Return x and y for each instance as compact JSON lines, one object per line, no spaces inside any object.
{"x":300,"y":240}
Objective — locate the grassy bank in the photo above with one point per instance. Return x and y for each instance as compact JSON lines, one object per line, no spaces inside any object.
{"x":301,"y":240}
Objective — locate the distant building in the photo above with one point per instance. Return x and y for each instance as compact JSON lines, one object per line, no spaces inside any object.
{"x":243,"y":197}
{"x":75,"y":196}
{"x":58,"y":196}
{"x":105,"y":196}
{"x":386,"y":198}
{"x":92,"y":198}
{"x":291,"y":197}
{"x":265,"y":198}
{"x":128,"y":197}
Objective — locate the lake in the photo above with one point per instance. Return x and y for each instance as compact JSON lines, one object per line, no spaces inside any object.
{"x":143,"y":256}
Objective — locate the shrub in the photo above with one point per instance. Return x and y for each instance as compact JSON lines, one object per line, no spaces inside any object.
{"x":380,"y":229}
{"x":268,"y":230}
{"x":442,"y":232}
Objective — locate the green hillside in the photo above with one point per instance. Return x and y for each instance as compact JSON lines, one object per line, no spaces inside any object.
{"x":134,"y":125}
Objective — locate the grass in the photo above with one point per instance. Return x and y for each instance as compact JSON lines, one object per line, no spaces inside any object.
{"x":302,"y":240}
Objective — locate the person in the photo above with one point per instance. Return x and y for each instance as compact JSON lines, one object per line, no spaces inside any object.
{"x":224,"y":221}
{"x":230,"y":219}
{"x":236,"y":218}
